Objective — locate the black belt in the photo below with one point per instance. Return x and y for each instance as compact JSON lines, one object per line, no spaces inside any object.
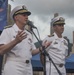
{"x":27,"y":61}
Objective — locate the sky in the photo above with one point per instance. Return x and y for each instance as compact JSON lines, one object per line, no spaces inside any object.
{"x":42,"y":11}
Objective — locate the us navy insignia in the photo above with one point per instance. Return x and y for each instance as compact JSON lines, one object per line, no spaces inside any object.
{"x":23,"y":7}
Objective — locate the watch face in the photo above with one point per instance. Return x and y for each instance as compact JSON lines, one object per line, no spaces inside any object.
{"x":1,"y":3}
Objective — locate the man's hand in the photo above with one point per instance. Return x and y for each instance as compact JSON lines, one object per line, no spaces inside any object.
{"x":20,"y":36}
{"x":47,"y":43}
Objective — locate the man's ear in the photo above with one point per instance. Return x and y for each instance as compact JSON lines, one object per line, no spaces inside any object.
{"x":54,"y":27}
{"x":15,"y":17}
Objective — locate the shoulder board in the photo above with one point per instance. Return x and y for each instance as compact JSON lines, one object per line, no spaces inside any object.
{"x":50,"y":35}
{"x":8,"y":26}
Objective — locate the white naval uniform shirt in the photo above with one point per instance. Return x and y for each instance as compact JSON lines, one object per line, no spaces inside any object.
{"x":57,"y":50}
{"x":23,"y":49}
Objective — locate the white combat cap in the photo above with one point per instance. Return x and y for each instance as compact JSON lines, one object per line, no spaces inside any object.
{"x":57,"y":20}
{"x":19,"y":10}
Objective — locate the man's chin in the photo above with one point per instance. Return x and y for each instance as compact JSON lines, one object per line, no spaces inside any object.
{"x":25,"y":23}
{"x":61,"y":32}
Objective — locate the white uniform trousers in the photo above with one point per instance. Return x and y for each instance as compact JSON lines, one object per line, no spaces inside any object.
{"x":51,"y":70}
{"x":17,"y":68}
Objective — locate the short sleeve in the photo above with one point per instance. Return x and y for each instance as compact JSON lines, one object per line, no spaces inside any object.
{"x":49,"y":39}
{"x":4,"y":38}
{"x":33,"y":46}
{"x":44,"y":40}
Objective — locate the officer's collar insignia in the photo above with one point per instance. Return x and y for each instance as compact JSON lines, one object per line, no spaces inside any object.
{"x":14,"y":36}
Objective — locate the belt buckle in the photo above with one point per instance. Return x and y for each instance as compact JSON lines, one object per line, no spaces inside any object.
{"x":27,"y":61}
{"x":60,"y":65}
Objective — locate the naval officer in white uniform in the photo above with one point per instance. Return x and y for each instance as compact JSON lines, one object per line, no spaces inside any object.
{"x":57,"y":47}
{"x":17,"y":43}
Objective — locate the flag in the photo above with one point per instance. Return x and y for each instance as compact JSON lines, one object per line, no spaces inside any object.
{"x":3,"y":13}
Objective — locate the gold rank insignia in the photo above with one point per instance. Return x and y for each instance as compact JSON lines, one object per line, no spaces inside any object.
{"x":8,"y":26}
{"x":50,"y":35}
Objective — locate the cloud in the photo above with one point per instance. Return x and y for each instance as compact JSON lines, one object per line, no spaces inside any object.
{"x":43,"y":10}
{"x":69,"y":33}
{"x":47,"y":7}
